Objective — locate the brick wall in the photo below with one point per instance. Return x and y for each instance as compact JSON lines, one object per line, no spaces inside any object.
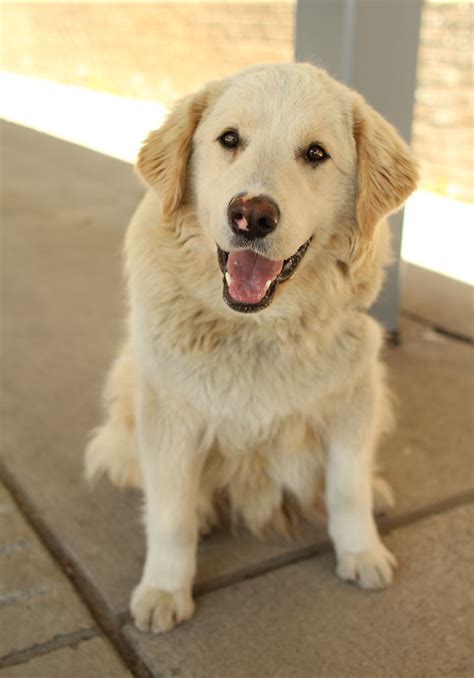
{"x":162,"y":50}
{"x":443,"y":130}
{"x":158,"y":50}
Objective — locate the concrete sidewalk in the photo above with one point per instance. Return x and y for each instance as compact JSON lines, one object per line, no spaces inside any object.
{"x":69,"y":557}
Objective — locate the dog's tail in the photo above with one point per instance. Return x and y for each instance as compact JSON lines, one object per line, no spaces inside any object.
{"x":112,"y":449}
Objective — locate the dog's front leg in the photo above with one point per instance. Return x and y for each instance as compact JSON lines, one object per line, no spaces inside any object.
{"x":361,"y":555}
{"x":171,"y":455}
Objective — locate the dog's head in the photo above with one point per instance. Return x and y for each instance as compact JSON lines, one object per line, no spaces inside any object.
{"x":277,"y":161}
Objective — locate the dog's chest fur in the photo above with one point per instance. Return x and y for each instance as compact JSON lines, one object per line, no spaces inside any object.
{"x":246,"y":379}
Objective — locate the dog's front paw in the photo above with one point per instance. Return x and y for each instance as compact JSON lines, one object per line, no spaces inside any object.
{"x":158,"y":611}
{"x":370,"y":569}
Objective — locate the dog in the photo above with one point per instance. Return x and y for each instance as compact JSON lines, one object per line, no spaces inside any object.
{"x":250,"y":377}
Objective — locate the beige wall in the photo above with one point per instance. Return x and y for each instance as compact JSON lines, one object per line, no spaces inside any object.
{"x":162,"y":50}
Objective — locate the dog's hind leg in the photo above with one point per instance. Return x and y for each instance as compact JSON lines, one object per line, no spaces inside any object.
{"x":113,"y":448}
{"x":383,"y":498}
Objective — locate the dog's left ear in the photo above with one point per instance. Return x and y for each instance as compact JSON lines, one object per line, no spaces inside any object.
{"x":164,"y":156}
{"x":387,"y":173}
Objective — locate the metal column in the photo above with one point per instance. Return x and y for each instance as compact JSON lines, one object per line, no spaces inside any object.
{"x":371,"y":45}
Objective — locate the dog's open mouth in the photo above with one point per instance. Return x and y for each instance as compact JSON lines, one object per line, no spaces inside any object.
{"x":250,"y":279}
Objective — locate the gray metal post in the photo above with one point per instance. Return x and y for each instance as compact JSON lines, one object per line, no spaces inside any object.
{"x":371,"y":45}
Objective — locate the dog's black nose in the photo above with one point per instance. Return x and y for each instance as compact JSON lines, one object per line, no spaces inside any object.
{"x":252,"y":216}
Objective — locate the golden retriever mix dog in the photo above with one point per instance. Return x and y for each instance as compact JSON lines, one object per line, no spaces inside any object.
{"x":251,"y":371}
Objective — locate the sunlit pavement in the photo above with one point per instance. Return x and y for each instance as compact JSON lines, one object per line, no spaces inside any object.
{"x":110,"y":124}
{"x":438,"y":234}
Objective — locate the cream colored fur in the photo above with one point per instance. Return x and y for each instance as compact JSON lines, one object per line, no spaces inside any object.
{"x":260,"y":411}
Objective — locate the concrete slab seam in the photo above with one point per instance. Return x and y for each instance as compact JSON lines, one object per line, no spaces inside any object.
{"x":439,"y":330}
{"x":56,"y":643}
{"x":106,"y":621}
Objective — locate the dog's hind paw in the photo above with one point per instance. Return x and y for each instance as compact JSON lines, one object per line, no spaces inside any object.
{"x":158,"y":611}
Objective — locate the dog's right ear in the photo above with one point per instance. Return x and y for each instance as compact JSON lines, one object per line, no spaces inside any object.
{"x":163,"y":158}
{"x":387,"y":173}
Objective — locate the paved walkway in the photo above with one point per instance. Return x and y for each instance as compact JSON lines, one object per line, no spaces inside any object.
{"x":70,"y":556}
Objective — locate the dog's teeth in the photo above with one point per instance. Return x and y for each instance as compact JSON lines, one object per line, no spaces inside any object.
{"x":267,"y":284}
{"x":228,"y":278}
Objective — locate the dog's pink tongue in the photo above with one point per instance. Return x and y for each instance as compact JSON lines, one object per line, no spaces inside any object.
{"x":250,"y":273}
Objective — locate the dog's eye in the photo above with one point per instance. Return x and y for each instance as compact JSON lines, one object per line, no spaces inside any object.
{"x":315,"y":154}
{"x":229,"y":139}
